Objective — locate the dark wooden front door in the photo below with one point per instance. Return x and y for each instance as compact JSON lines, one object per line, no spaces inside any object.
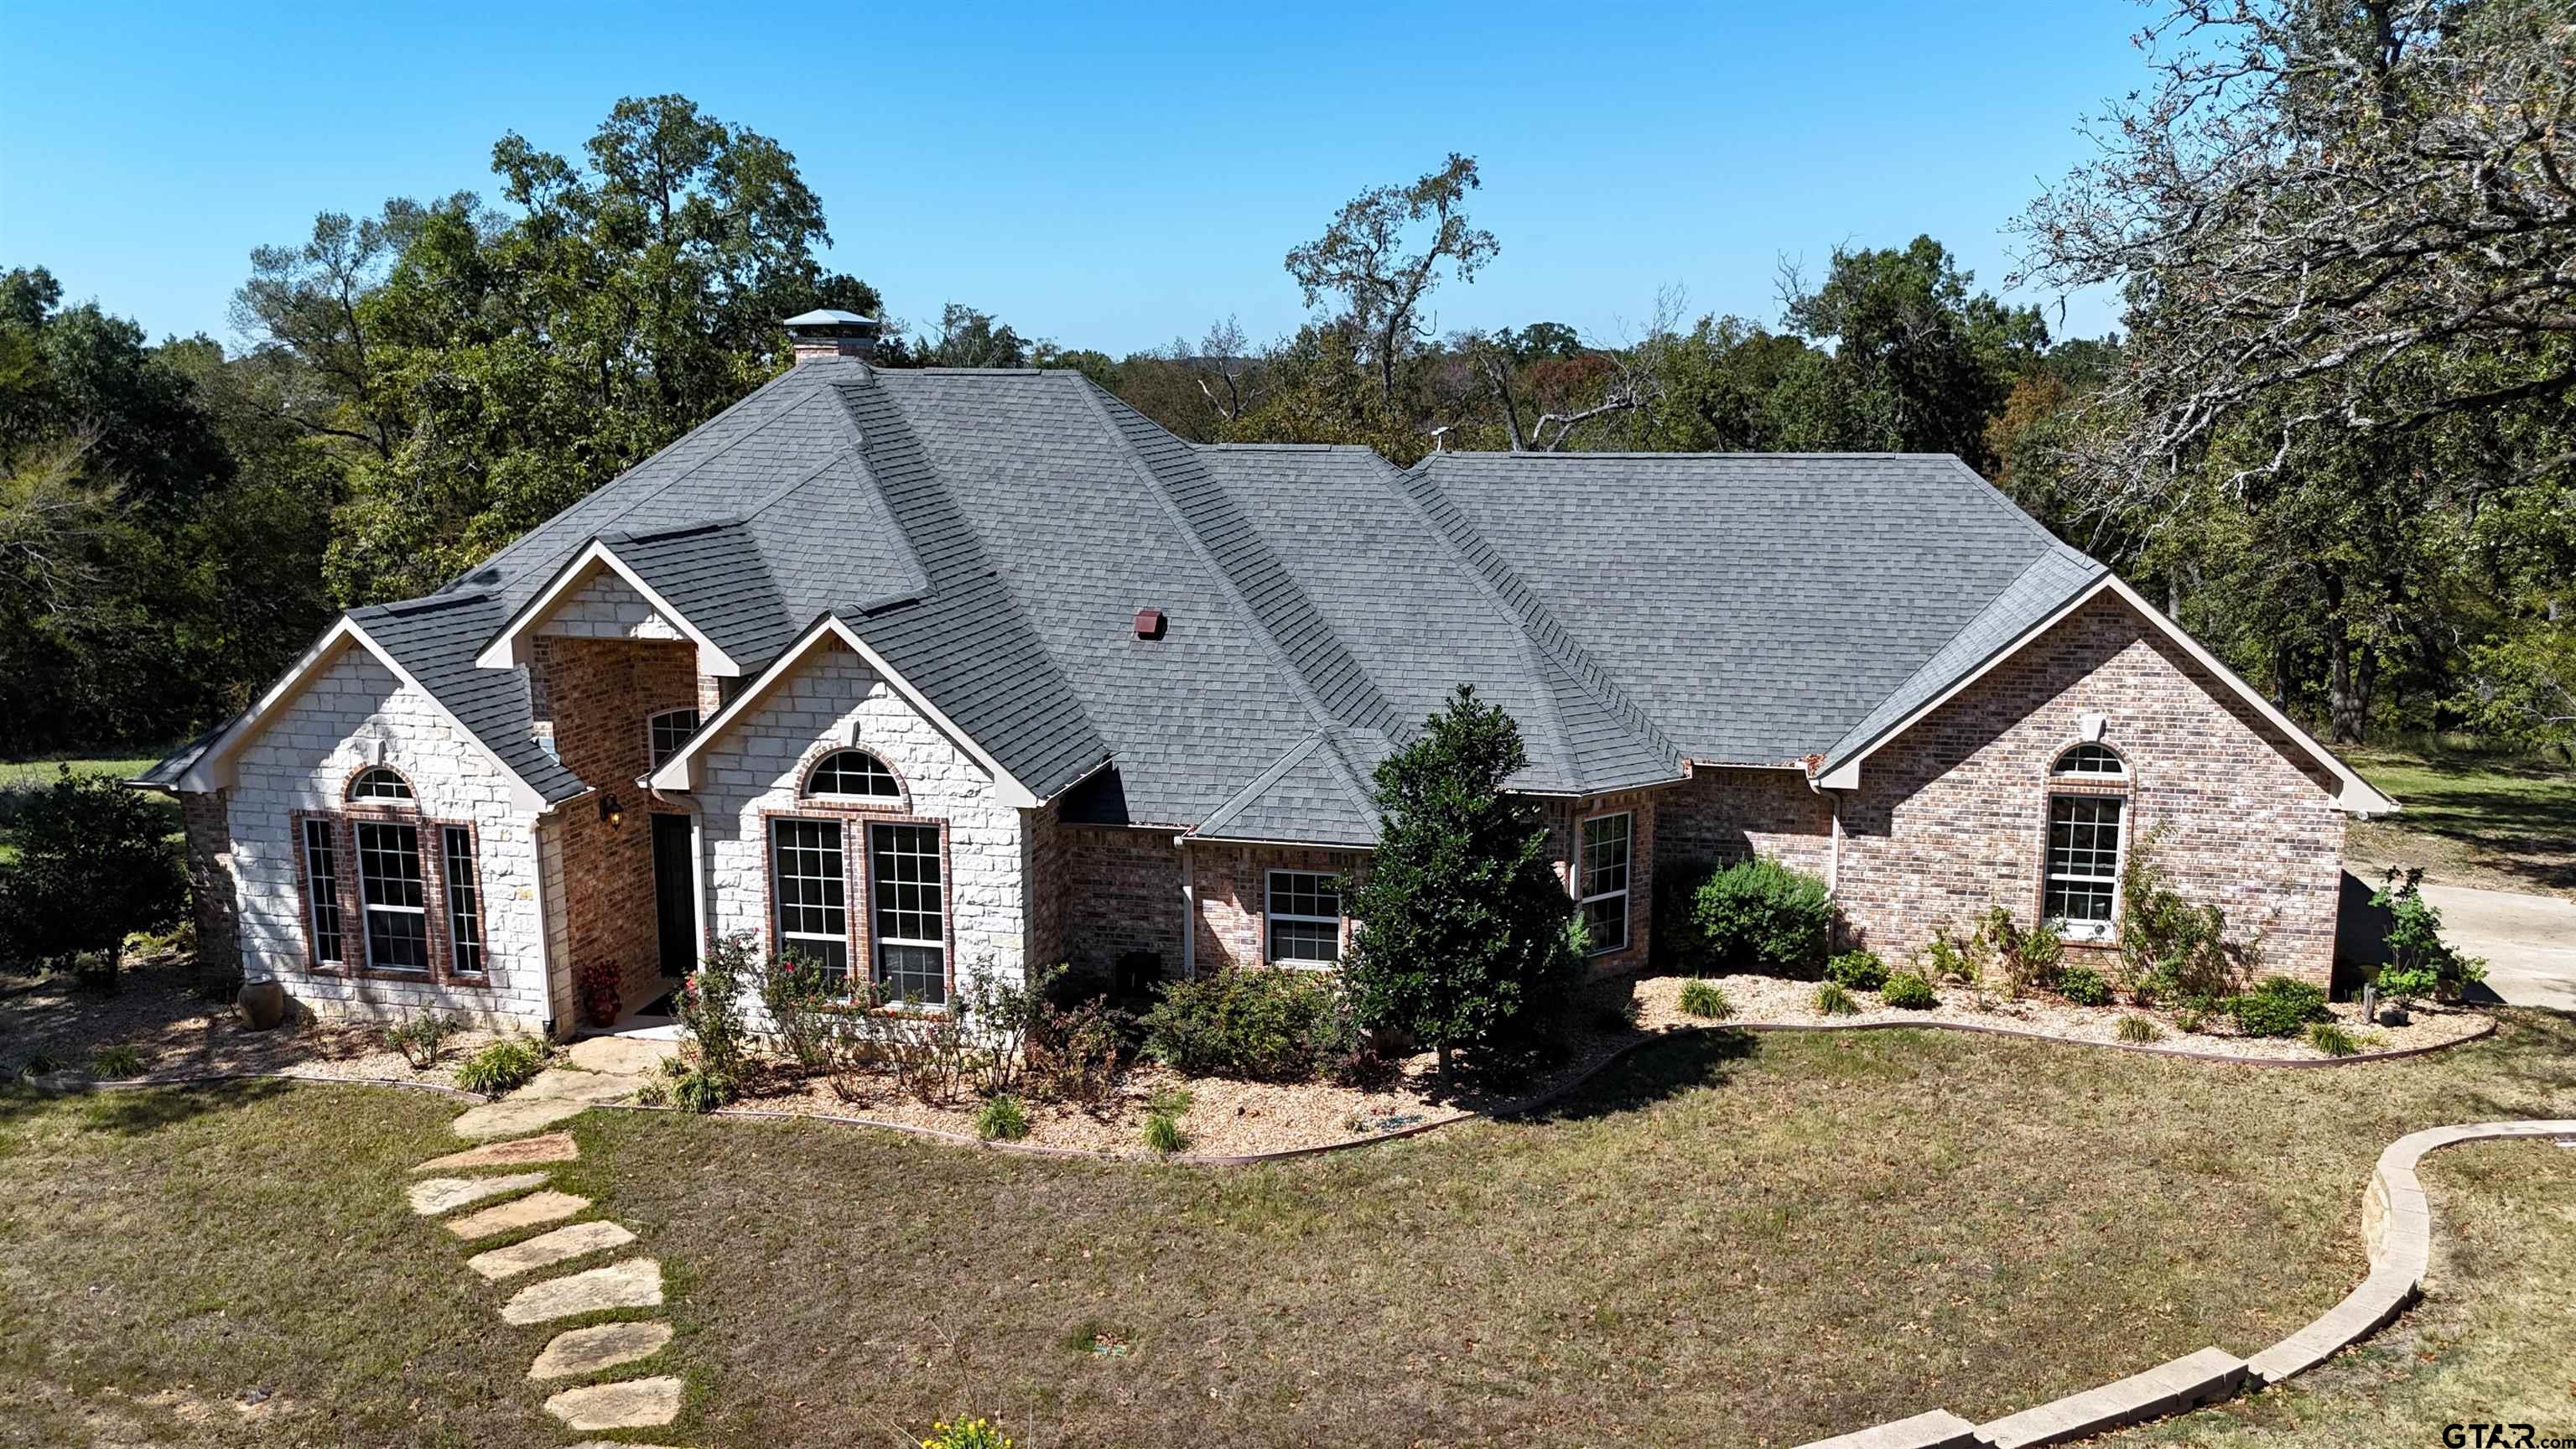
{"x":675,"y":893}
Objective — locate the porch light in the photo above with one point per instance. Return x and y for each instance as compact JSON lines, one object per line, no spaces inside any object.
{"x":611,"y":811}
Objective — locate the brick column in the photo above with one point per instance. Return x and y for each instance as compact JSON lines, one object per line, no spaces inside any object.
{"x":211,"y":888}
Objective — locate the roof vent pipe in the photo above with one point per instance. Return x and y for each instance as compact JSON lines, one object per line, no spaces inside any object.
{"x":825,"y":332}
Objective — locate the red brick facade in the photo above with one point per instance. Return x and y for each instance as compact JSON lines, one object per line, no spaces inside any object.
{"x":1951,"y":817}
{"x":1564,"y":819}
{"x":598,"y":695}
{"x":208,"y":822}
{"x":1231,"y":885}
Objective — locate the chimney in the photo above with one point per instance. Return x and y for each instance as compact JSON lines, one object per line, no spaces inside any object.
{"x":824,"y":332}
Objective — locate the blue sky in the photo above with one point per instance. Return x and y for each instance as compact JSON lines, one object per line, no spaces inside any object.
{"x":1106,"y":179}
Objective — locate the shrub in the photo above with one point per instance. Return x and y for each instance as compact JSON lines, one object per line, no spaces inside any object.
{"x":2331,"y":1039}
{"x":1264,"y":1024}
{"x":1910,"y":991}
{"x":2278,"y":1007}
{"x":2417,"y":953}
{"x":1076,"y":1053}
{"x":799,"y":997}
{"x":421,"y":1037}
{"x":94,"y":865}
{"x":1760,"y":912}
{"x":2139,"y":1029}
{"x":965,"y":1434}
{"x":502,"y":1066}
{"x":2171,"y":949}
{"x":2022,"y":959}
{"x":1706,"y":999}
{"x":116,"y":1061}
{"x":1950,"y":957}
{"x":2191,"y":1018}
{"x":703,"y":1089}
{"x":1857,"y":971}
{"x":1364,"y":1068}
{"x":710,"y":1005}
{"x":1673,"y":933}
{"x":601,"y":985}
{"x":1001,"y":1117}
{"x":1462,"y":937}
{"x":2084,"y":986}
{"x":1833,"y":1000}
{"x":1163,"y":1121}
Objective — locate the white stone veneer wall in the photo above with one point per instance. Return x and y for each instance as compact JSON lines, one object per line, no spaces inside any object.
{"x":758,"y":765}
{"x":602,"y":606}
{"x":303,"y":762}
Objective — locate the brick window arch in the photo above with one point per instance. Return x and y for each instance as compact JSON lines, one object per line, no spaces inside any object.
{"x":853,"y":775}
{"x":382,"y":786}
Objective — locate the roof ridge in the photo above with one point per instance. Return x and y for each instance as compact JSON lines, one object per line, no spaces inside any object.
{"x":1195,"y":530}
{"x":1537,"y":623}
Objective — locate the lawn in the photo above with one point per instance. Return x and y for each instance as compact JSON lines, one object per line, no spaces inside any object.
{"x":2471,"y":819}
{"x":1736,"y":1239}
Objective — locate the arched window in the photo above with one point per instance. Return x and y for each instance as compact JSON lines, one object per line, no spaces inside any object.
{"x":379,"y":783}
{"x":2088,"y":811}
{"x":854,"y":773}
{"x":2090,"y":762}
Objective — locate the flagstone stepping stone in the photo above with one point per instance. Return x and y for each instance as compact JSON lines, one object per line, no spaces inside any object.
{"x":547,"y":1249}
{"x":634,"y":1283}
{"x":628,"y":1404}
{"x":565,"y":1084}
{"x":512,"y":1117}
{"x":440,"y":1195}
{"x":537,"y":1207}
{"x":625,"y":1055}
{"x":588,"y":1350}
{"x":553,"y":1147}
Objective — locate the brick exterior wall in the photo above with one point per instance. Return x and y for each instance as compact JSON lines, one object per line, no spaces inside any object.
{"x":1951,"y":817}
{"x":1231,"y":885}
{"x":756,"y":769}
{"x":1121,"y":892}
{"x":601,"y":689}
{"x":1645,"y":806}
{"x":1719,"y":816}
{"x":303,"y":762}
{"x":216,"y":905}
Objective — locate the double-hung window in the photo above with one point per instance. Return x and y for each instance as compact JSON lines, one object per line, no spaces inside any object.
{"x":911,"y":886}
{"x":808,"y":883}
{"x":2083,"y":888}
{"x":322,"y":893}
{"x":392,"y":896}
{"x":1602,"y":880}
{"x":1304,"y":918}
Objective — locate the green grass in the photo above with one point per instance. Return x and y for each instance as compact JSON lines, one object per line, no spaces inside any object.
{"x":2492,"y":1341}
{"x":2470,"y":818}
{"x":25,"y":776}
{"x":1735,"y":1239}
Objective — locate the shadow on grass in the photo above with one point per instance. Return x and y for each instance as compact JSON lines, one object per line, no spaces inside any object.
{"x":1654,"y":1072}
{"x":2533,"y":1048}
{"x":143,"y":1111}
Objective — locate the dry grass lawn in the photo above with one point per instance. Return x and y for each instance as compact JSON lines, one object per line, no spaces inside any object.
{"x":1739,"y":1240}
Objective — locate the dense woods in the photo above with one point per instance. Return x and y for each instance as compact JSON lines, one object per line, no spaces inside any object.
{"x":2333,"y":434}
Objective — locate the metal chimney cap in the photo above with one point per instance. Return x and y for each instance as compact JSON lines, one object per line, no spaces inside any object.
{"x":830,"y":317}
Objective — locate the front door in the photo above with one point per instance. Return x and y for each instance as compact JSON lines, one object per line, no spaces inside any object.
{"x":675,"y":893}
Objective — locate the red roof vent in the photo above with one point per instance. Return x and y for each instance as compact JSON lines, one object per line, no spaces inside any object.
{"x":1149,"y":623}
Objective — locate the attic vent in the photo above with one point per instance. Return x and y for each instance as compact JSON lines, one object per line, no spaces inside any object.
{"x":1149,"y":623}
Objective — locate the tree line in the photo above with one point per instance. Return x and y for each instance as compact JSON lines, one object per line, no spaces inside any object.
{"x":2331,"y":436}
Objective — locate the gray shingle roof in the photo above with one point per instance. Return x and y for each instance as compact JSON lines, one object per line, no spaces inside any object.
{"x":991,"y":533}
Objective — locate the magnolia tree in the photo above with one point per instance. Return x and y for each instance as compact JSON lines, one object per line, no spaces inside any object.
{"x":1463,"y":926}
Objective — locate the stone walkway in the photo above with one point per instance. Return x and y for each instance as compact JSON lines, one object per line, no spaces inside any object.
{"x":492,"y":1195}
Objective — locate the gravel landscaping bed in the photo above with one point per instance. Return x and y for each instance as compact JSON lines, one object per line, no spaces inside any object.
{"x":1232,"y":1118}
{"x":158,"y":1013}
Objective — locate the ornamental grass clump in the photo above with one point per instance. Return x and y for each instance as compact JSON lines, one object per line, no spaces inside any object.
{"x":1833,"y":1000}
{"x":2333,"y":1040}
{"x":1706,"y":999}
{"x":1001,"y":1118}
{"x":2139,"y":1030}
{"x":503,"y":1066}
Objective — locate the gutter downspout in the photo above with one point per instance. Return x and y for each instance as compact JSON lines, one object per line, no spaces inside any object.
{"x":1189,"y":909}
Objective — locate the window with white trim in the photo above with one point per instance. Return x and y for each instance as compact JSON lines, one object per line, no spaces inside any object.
{"x":2090,"y":762}
{"x":464,"y":900}
{"x":808,"y":884}
{"x":669,"y":730}
{"x":392,"y":896}
{"x":379,"y":783}
{"x":322,"y":894}
{"x":854,"y":773}
{"x":911,"y":887}
{"x":2083,"y":888}
{"x":1602,"y":879}
{"x":1302,"y":918}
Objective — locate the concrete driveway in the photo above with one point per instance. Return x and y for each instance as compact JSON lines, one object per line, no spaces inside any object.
{"x":2529,"y":941}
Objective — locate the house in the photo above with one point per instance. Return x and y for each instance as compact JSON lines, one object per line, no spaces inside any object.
{"x":932,"y":672}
